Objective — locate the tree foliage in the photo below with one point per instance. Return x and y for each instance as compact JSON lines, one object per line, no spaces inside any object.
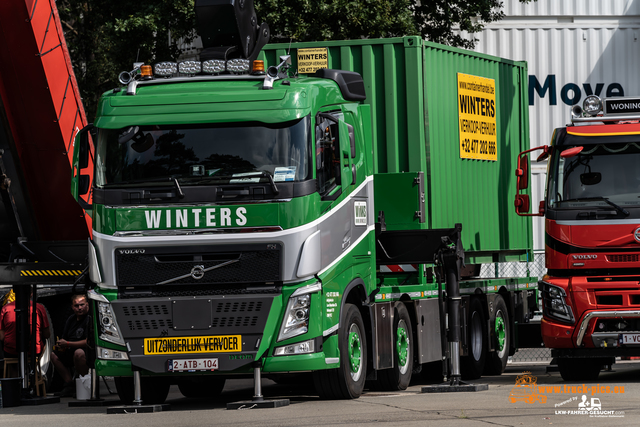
{"x":308,"y":20}
{"x":105,"y":37}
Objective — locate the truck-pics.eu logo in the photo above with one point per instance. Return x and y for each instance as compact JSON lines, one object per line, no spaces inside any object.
{"x":526,"y":389}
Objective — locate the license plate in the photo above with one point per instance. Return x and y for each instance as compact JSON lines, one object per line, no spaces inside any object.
{"x":183,"y":365}
{"x":185,"y":345}
{"x":630,"y":339}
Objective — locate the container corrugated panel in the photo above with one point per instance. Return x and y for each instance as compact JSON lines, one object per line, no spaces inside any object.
{"x":571,"y":8}
{"x":392,"y":71}
{"x":412,"y":89}
{"x":479,"y":194}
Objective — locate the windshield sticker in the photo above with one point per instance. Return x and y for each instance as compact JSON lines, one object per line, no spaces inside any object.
{"x":211,"y":172}
{"x":287,"y":173}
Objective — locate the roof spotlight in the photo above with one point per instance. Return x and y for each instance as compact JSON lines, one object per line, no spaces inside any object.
{"x":592,"y":105}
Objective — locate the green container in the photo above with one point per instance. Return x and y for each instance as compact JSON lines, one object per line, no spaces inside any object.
{"x":412,"y":88}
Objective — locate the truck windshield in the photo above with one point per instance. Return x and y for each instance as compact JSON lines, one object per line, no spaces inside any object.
{"x":214,"y":154}
{"x":601,"y":176}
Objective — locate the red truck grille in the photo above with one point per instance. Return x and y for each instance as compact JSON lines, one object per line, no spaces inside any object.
{"x":622,"y":258}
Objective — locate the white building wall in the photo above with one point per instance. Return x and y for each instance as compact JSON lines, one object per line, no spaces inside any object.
{"x":573,"y":48}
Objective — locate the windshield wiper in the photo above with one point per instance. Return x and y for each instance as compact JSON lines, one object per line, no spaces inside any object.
{"x":264,"y":174}
{"x":618,"y":208}
{"x":173,"y":178}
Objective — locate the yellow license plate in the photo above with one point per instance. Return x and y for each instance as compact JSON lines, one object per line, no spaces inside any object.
{"x":184,"y":345}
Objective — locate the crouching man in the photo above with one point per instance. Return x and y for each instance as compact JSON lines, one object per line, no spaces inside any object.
{"x":71,"y":349}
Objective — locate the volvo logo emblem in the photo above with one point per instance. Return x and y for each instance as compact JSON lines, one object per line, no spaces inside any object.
{"x":131,"y":251}
{"x":636,"y":234}
{"x":197,"y":272}
{"x":585,"y":256}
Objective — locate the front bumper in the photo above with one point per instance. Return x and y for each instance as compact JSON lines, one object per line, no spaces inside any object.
{"x":583,"y":333}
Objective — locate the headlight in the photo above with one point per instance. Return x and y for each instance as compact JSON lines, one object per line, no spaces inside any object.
{"x":592,"y":105}
{"x":299,"y":348}
{"x":109,"y":354}
{"x":296,"y":318}
{"x":109,"y":330}
{"x":554,"y":303}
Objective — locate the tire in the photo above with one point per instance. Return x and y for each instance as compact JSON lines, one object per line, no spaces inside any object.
{"x":347,"y":381}
{"x":201,"y":387}
{"x":398,"y":377}
{"x":154,"y":390}
{"x":472,"y":365}
{"x":580,"y":369}
{"x":497,"y":360}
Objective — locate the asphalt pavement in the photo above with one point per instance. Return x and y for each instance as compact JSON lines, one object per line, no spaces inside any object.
{"x":525,"y":395}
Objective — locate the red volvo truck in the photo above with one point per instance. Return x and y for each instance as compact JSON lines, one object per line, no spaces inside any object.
{"x":591,"y":292}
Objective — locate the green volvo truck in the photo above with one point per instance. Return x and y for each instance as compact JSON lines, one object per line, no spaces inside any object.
{"x":329,"y":215}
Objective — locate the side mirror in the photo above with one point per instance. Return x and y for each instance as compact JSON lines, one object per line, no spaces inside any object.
{"x":523,"y":173}
{"x":523,"y":201}
{"x":522,"y":204}
{"x":546,"y":152}
{"x":83,"y":156}
{"x":346,"y":151}
{"x":352,"y":140}
{"x":571,"y":152}
{"x":82,"y":169}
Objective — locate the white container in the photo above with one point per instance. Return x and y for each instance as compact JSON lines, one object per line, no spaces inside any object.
{"x":83,"y":387}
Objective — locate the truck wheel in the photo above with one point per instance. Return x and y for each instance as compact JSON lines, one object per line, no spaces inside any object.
{"x":154,"y":390}
{"x":472,"y":365}
{"x":201,"y":387}
{"x":398,"y":377}
{"x":346,"y":382}
{"x":576,"y":369}
{"x":497,"y":360}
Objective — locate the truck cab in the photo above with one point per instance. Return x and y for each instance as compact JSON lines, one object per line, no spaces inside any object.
{"x":590,"y":294}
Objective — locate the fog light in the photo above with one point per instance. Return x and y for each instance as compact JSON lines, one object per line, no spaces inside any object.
{"x":109,"y":354}
{"x":304,"y":347}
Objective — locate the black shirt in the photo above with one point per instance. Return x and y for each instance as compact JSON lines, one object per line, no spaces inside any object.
{"x":76,"y":330}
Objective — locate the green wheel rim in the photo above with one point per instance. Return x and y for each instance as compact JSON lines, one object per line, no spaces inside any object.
{"x":402,"y":346}
{"x":355,"y":352}
{"x":501,"y":332}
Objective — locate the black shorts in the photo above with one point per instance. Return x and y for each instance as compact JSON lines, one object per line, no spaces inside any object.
{"x":66,"y":357}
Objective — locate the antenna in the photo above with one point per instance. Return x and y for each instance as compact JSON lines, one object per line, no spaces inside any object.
{"x":289,"y":50}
